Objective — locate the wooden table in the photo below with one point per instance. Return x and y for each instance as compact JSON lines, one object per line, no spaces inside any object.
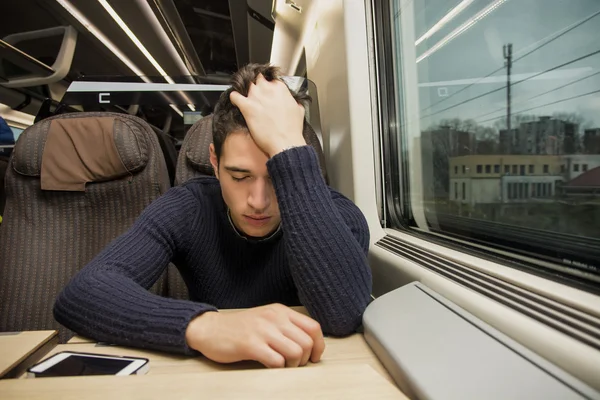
{"x":352,"y":349}
{"x":20,"y":350}
{"x":347,"y":370}
{"x":338,"y":351}
{"x":353,"y":381}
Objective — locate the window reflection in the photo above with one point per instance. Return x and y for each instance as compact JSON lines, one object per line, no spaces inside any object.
{"x":509,"y":110}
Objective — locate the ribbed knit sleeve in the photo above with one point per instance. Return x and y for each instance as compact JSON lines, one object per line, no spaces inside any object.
{"x":327,"y":240}
{"x":108,"y":299}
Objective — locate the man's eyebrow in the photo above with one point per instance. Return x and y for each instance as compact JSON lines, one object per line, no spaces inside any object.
{"x":237,"y":169}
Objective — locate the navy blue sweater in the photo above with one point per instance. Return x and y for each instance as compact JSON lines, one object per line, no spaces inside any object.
{"x":318,"y":259}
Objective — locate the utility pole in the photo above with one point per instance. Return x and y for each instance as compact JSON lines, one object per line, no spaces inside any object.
{"x":507,"y":50}
{"x":508,"y":63}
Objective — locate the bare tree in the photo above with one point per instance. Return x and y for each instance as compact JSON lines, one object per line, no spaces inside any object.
{"x":457,"y":124}
{"x":488,"y":140}
{"x":515,"y":121}
{"x":581,"y":123}
{"x":574,"y":118}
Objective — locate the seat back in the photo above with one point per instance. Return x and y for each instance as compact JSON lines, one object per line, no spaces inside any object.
{"x":3,"y":168}
{"x":194,"y":156}
{"x":169,"y":151}
{"x":74,"y":183}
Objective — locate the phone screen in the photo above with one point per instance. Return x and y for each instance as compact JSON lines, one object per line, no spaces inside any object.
{"x":77,"y":365}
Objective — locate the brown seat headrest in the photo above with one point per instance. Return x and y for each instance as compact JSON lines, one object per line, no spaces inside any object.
{"x":70,"y":150}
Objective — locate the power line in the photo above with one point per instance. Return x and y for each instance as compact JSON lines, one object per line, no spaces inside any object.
{"x":563,"y":86}
{"x":581,"y":22}
{"x":514,"y":84}
{"x":539,"y":95}
{"x":548,"y":104}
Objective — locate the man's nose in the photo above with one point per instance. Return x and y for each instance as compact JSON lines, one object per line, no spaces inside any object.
{"x":260,"y":195}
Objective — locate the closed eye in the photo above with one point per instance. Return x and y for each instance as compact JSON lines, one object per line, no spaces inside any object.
{"x":239,"y":179}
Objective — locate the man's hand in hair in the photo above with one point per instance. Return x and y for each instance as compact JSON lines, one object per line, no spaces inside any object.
{"x":274,"y":335}
{"x":273,"y":116}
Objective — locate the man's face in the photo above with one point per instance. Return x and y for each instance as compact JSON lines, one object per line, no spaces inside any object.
{"x":246,"y":185}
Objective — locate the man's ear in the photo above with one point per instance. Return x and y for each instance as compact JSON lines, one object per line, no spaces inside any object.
{"x":213,"y":159}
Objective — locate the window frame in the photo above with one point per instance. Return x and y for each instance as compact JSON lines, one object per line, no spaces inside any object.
{"x":395,"y":180}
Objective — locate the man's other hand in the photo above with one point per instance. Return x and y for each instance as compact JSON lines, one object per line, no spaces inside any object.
{"x":273,"y":335}
{"x":274,"y":118}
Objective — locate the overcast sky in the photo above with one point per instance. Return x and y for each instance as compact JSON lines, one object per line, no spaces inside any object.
{"x":477,"y":52}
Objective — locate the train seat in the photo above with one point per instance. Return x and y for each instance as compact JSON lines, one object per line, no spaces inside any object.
{"x":3,"y":168}
{"x":75,"y":182}
{"x":169,"y":151}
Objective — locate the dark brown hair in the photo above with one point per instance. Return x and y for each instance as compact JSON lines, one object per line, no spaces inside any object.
{"x":228,"y":118}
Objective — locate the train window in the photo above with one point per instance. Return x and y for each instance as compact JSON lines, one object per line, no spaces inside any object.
{"x":495,"y":82}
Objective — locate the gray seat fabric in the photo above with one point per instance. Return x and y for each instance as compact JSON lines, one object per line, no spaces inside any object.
{"x":3,"y":168}
{"x":169,"y":151}
{"x":49,"y":235}
{"x":194,"y":155}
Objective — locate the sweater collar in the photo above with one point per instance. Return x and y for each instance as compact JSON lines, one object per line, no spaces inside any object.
{"x":250,"y":239}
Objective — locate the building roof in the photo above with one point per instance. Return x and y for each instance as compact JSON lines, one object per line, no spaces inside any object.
{"x":590,"y":178}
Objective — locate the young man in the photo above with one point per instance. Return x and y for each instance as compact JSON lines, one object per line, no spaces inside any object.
{"x":265,"y":234}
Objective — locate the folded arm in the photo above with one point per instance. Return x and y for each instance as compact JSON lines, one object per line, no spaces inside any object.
{"x":108,"y":300}
{"x":327,"y":240}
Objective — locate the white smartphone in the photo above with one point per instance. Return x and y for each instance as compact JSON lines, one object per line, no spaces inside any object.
{"x":70,"y":363}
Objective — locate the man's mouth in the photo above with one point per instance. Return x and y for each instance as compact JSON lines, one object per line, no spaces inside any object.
{"x":257,"y":220}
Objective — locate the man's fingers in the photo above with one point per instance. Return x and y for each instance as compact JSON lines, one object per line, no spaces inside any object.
{"x":302,"y":339}
{"x":260,"y":80}
{"x":290,"y":350}
{"x":313,"y":329}
{"x":268,"y":357}
{"x":239,"y":101}
{"x":269,"y":88}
